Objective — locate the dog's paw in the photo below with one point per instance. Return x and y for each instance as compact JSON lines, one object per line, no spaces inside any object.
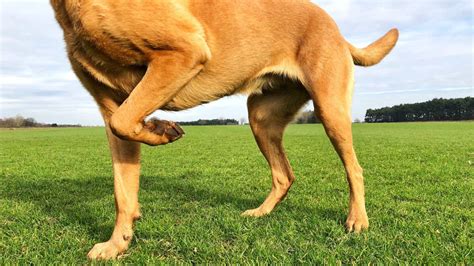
{"x":105,"y":251}
{"x":258,"y":212}
{"x":357,"y":223}
{"x":168,"y":130}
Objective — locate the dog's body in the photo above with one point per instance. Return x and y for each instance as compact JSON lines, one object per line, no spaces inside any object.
{"x":135,"y":57}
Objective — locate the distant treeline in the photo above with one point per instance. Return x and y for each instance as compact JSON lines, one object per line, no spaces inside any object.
{"x":307,"y":117}
{"x":211,"y":122}
{"x":434,"y":110}
{"x":19,"y":121}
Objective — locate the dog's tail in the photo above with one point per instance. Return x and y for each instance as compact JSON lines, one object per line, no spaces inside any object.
{"x":374,"y":53}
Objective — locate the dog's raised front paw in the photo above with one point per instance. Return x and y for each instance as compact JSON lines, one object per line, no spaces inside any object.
{"x":171,"y":131}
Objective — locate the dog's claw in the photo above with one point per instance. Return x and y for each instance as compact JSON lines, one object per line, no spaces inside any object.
{"x":175,"y":131}
{"x":177,"y":128}
{"x":171,"y":130}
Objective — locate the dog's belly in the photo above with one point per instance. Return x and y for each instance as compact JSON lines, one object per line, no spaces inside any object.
{"x":207,"y":87}
{"x":204,"y":88}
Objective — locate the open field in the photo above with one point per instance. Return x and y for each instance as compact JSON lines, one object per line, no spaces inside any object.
{"x":56,"y":197}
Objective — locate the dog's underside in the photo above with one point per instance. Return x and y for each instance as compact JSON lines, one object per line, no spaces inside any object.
{"x":135,"y":57}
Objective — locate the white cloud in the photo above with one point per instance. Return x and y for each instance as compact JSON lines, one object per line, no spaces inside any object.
{"x":468,"y":89}
{"x":340,"y":8}
{"x":7,"y":80}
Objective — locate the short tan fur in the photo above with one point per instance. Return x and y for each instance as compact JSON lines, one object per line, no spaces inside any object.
{"x":139,"y":56}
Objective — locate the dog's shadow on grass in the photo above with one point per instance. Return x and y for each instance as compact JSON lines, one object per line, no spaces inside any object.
{"x":82,"y":201}
{"x":184,"y":191}
{"x":69,"y":201}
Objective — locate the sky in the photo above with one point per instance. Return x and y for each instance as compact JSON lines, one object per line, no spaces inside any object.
{"x":433,"y":59}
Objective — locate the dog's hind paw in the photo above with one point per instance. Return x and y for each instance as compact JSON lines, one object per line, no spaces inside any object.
{"x":171,"y":131}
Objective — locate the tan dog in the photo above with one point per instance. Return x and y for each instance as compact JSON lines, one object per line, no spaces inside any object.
{"x":138,"y":56}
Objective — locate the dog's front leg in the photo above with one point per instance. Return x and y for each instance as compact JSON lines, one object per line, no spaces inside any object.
{"x":126,"y":165}
{"x":167,"y":73}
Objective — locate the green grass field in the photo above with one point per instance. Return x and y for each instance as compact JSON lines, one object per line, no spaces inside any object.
{"x":56,"y":197}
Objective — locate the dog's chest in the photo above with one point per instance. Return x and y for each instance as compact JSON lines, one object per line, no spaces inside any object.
{"x":111,"y":59}
{"x":113,"y":73}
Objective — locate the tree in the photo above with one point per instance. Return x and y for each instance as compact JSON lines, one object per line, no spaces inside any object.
{"x":205,"y":122}
{"x":307,"y":117}
{"x":29,"y":122}
{"x":434,"y":110}
{"x":19,"y":121}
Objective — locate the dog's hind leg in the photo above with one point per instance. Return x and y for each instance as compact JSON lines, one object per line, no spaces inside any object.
{"x":329,"y":73}
{"x":269,"y":114}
